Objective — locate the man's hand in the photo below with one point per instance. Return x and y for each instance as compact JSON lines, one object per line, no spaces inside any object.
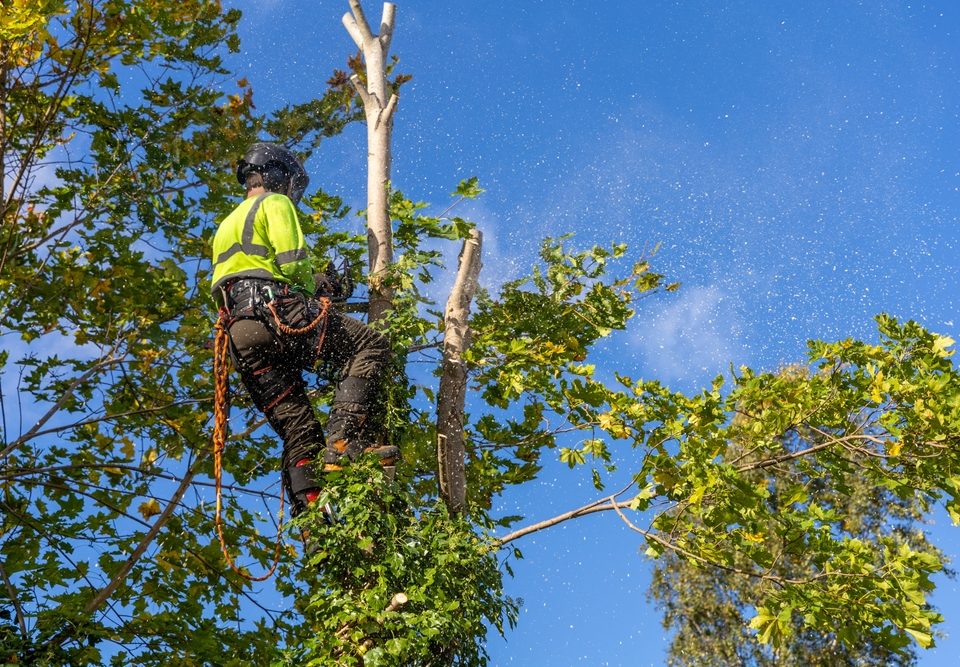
{"x":336,"y":285}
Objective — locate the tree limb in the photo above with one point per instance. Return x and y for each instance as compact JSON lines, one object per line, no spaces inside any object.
{"x":387,"y":113}
{"x":104,"y":594}
{"x":14,"y":599}
{"x":379,"y":130}
{"x":56,"y":407}
{"x":361,"y":91}
{"x":767,"y":463}
{"x":386,"y":25}
{"x":361,"y":20}
{"x":451,"y":395}
{"x":596,"y":506}
{"x":353,"y":29}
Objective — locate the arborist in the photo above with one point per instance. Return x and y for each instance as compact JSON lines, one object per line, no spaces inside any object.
{"x":280,"y":322}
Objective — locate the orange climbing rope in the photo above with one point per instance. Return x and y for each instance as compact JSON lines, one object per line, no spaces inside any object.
{"x":293,"y":331}
{"x":221,"y":409}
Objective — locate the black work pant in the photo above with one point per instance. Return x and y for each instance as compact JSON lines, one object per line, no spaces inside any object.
{"x":271,"y":366}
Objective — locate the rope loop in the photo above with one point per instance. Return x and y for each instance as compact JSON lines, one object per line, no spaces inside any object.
{"x":321,"y":319}
{"x":221,"y":412}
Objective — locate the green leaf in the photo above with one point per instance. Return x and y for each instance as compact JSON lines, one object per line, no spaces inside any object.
{"x":469,"y":188}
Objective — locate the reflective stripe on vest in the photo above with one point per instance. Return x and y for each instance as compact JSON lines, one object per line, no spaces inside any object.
{"x":247,"y":246}
{"x":291,"y":256}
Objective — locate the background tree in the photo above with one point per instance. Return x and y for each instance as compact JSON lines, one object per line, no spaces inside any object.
{"x":116,"y":149}
{"x":707,"y":610}
{"x":117,"y":158}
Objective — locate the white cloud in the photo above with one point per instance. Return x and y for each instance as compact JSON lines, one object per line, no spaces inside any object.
{"x":696,"y":337}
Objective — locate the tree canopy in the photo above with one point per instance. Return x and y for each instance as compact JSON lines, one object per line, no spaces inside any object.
{"x":794,"y":494}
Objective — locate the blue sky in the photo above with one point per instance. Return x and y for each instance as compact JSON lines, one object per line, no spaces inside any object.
{"x":799,"y":163}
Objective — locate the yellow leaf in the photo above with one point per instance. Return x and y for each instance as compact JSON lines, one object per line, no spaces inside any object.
{"x":940,"y":345}
{"x":612,"y":425}
{"x":666,"y":478}
{"x":697,"y":494}
{"x":895,"y":447}
{"x":126,"y":448}
{"x":925,"y":639}
{"x":149,"y":508}
{"x":150,"y":457}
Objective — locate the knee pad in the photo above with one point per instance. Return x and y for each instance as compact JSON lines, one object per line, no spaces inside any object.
{"x":356,"y":411}
{"x":355,"y":390}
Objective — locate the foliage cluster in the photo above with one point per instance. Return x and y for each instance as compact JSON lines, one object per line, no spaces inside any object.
{"x":116,"y":146}
{"x":384,"y":545}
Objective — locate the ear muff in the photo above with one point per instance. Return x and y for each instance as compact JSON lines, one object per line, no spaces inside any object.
{"x":275,"y":178}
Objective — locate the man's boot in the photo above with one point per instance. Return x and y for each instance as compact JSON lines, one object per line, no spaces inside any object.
{"x":348,"y":431}
{"x":343,"y":451}
{"x":303,"y":487}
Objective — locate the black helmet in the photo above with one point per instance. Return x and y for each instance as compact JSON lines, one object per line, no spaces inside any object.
{"x":281,"y":170}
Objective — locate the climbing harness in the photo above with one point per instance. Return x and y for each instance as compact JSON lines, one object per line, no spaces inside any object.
{"x":221,"y":409}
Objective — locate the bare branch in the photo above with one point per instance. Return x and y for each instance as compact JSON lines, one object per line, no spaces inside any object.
{"x":386,"y":25}
{"x":396,"y":602}
{"x":387,"y":113}
{"x":361,"y":91}
{"x":353,"y":29}
{"x":12,"y":593}
{"x":453,"y":382}
{"x":599,"y":505}
{"x":361,"y":21}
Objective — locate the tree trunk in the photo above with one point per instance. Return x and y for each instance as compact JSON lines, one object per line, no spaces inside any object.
{"x":4,"y":54}
{"x":378,"y":109}
{"x":453,"y":381}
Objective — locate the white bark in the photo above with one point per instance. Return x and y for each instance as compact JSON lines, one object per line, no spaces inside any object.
{"x":378,"y":109}
{"x":453,"y":381}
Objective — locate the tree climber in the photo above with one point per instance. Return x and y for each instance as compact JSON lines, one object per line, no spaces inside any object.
{"x":280,"y":323}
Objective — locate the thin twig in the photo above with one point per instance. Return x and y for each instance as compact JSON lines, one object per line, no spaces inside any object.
{"x":56,"y":407}
{"x":104,"y":594}
{"x":595,"y":506}
{"x":14,"y":598}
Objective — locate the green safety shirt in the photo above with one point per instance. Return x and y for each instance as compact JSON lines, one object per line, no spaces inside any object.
{"x":262,"y":238}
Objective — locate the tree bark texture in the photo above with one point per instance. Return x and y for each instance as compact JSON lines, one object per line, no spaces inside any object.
{"x":378,"y":109}
{"x":453,"y":380}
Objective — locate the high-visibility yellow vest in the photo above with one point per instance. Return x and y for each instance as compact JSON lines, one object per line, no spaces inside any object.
{"x":262,"y":238}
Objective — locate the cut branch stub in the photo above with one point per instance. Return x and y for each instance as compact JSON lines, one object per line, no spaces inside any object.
{"x":453,"y":381}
